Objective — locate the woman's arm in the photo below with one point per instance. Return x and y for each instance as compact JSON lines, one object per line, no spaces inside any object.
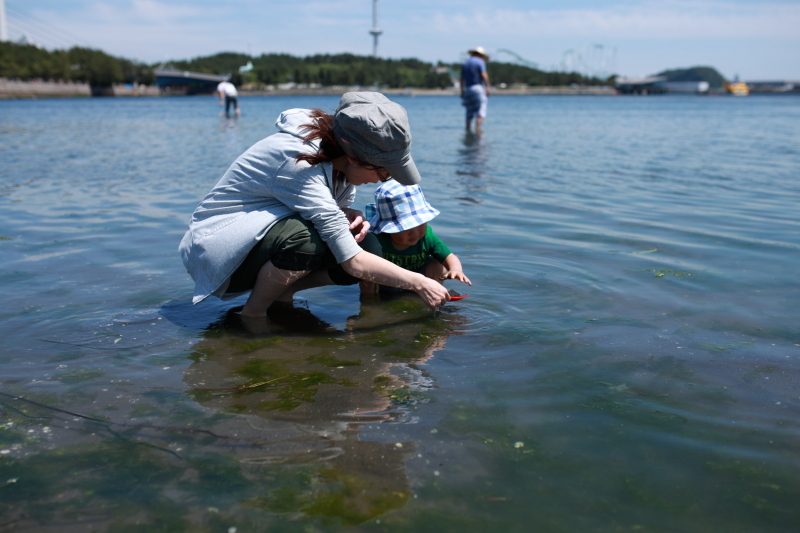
{"x":369,"y":267}
{"x":304,"y":190}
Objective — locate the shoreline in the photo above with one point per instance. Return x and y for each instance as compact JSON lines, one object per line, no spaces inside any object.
{"x":338,"y":91}
{"x":26,"y":90}
{"x":17,"y":89}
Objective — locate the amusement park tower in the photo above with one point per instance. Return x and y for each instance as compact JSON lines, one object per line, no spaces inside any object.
{"x":375,"y":31}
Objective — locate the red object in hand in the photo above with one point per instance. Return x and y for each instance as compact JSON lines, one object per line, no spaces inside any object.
{"x":453,"y":298}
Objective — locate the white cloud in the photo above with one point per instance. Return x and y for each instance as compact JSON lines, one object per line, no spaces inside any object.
{"x":162,"y":12}
{"x":648,"y":19}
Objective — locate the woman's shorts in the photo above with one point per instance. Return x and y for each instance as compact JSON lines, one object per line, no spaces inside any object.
{"x":293,"y":243}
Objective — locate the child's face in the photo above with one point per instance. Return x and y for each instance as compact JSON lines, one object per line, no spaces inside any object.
{"x":409,"y":237}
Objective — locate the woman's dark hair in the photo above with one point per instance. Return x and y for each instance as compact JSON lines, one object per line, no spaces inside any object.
{"x":321,"y":128}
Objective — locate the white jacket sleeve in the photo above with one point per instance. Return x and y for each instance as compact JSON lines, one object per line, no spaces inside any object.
{"x":308,"y":191}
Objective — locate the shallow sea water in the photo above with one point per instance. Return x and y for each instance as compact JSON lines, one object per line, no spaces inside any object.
{"x":627,"y":359}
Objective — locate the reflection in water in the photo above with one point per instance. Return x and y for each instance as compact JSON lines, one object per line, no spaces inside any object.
{"x":273,"y":432}
{"x":307,"y":395}
{"x":473,"y":160}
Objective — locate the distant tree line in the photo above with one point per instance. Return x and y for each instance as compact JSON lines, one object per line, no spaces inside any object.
{"x":510,"y":73}
{"x":76,"y":64}
{"x":349,"y":69}
{"x":322,"y":69}
{"x":100,"y":69}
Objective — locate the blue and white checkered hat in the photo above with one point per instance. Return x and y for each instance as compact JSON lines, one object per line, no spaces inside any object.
{"x":399,"y":208}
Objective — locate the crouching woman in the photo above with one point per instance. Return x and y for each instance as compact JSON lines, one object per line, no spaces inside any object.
{"x":279,"y":221}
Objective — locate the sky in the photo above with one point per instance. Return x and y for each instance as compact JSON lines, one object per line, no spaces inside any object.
{"x":756,"y":40}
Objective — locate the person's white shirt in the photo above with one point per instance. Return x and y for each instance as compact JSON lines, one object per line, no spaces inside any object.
{"x":227,"y":88}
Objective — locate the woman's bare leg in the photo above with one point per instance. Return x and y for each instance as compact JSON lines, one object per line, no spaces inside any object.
{"x":271,"y":283}
{"x":316,"y":278}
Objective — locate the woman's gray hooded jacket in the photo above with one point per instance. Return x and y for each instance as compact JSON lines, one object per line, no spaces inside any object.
{"x":264,"y":185}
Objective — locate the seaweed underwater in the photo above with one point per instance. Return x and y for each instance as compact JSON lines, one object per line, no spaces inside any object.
{"x":266,"y":432}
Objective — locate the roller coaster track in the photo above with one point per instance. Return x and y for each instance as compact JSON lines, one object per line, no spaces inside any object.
{"x":519,"y":58}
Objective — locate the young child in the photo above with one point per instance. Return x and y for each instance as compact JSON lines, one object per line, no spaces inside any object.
{"x":401,"y":224}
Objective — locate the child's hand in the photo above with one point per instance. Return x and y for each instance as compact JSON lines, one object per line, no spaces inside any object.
{"x":456,"y":274}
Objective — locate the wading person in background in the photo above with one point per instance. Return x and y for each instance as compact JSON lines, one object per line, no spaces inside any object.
{"x":229,"y":97}
{"x":279,"y":221}
{"x":475,"y":87}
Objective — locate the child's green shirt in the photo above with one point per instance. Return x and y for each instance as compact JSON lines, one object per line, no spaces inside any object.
{"x":415,"y":257}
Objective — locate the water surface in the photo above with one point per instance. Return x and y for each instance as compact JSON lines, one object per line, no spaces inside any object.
{"x":627,"y":359}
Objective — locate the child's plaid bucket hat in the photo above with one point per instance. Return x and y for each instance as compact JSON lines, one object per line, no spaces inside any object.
{"x":399,"y":208}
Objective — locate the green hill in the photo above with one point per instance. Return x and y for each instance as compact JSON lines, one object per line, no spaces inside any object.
{"x":709,"y":74}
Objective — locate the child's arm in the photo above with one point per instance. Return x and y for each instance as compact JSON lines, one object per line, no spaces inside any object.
{"x":454,"y":270}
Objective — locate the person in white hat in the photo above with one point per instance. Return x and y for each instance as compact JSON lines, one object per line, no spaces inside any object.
{"x":279,"y":220}
{"x":475,"y":87}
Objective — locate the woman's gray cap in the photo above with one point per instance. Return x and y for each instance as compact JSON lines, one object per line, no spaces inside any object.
{"x":375,"y":130}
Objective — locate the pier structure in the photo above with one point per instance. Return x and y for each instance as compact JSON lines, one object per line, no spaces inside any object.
{"x":774,"y":86}
{"x":174,"y":81}
{"x":375,"y":31}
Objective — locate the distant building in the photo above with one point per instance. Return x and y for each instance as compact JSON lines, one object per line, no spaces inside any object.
{"x":691,"y":87}
{"x":777,"y":86}
{"x":648,"y":85}
{"x":659,"y":85}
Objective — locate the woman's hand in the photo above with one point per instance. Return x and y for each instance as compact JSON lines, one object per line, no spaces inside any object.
{"x":432,"y":292}
{"x":368,"y":267}
{"x":358,"y":225}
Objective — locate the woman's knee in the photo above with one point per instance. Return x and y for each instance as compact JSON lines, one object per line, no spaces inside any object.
{"x":291,"y":243}
{"x":296,"y":245}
